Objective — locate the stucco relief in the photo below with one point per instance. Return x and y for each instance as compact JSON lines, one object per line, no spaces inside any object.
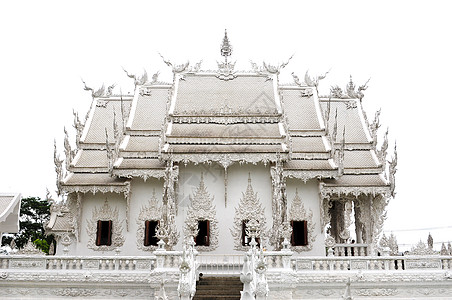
{"x":201,"y":208}
{"x":152,"y":211}
{"x":297,"y":212}
{"x":249,"y":208}
{"x":105,"y":213}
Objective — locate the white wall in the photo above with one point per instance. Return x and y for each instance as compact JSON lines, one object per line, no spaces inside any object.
{"x":189,"y":178}
{"x":310,"y":197}
{"x":237,"y":183}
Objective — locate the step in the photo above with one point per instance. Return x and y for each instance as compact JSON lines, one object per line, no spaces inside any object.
{"x":218,"y":288}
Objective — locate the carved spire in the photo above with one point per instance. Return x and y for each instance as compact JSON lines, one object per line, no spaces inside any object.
{"x":430,"y":241}
{"x":58,"y":168}
{"x":383,"y":150}
{"x":67,"y":150}
{"x":393,"y":170}
{"x":351,"y":88}
{"x":334,"y":133}
{"x":78,"y":129}
{"x":109,"y":152}
{"x":341,"y":153}
{"x":226,"y":69}
{"x":226,"y":47}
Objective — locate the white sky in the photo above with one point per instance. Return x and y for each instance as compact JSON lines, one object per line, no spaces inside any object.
{"x":404,"y":46}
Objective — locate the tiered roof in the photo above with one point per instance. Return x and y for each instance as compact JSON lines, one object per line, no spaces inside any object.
{"x":226,"y":116}
{"x":9,"y":212}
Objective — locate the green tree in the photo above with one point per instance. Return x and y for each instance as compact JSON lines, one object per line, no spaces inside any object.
{"x":34,"y":214}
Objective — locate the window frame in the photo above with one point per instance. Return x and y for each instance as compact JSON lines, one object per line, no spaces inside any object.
{"x":295,"y":236}
{"x":104,"y":227}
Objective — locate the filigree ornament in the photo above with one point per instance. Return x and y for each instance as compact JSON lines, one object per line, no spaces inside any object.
{"x":201,"y":208}
{"x":249,"y":208}
{"x":152,"y":211}
{"x":105,"y":213}
{"x":138,"y":80}
{"x":226,"y":71}
{"x":58,"y":168}
{"x":422,"y":249}
{"x":279,"y":202}
{"x":169,"y":204}
{"x":30,"y":249}
{"x":241,"y":158}
{"x":297,"y":212}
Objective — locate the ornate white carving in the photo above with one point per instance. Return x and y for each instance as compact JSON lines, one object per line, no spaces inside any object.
{"x":249,"y":208}
{"x":422,"y":249}
{"x":228,"y":116}
{"x":308,"y":175}
{"x":392,"y":171}
{"x":96,"y":189}
{"x":153,"y":211}
{"x":169,"y":205}
{"x":297,"y":212}
{"x":201,"y":208}
{"x":252,"y":158}
{"x":355,"y":191}
{"x":58,"y":168}
{"x":144,"y":174}
{"x":105,"y":213}
{"x":30,"y":249}
{"x":279,"y":203}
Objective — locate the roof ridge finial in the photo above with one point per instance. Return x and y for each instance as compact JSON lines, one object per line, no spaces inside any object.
{"x":226,"y":48}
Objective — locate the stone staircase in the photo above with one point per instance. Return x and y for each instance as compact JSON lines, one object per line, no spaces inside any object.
{"x":218,"y":288}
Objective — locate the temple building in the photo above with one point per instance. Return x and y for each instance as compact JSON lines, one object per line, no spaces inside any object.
{"x":224,"y":172}
{"x":213,"y":150}
{"x":9,"y":213}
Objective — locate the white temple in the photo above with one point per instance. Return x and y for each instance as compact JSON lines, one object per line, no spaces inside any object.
{"x":192,"y":176}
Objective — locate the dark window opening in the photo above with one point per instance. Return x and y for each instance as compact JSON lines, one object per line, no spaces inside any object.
{"x":299,"y":233}
{"x":203,"y":237}
{"x":149,"y":233}
{"x":103,"y":233}
{"x":245,"y":238}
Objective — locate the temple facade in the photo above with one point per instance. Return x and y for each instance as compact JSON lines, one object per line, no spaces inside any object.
{"x":224,"y":173}
{"x":206,"y":153}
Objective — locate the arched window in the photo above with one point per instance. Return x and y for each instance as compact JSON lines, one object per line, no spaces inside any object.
{"x":149,"y":233}
{"x":103,"y":237}
{"x":203,"y":237}
{"x":299,"y":233}
{"x":245,"y":238}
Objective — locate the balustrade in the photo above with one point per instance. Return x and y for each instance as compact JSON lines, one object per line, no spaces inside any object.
{"x":220,"y":264}
{"x":227,"y":264}
{"x":351,"y":250}
{"x":78,"y":263}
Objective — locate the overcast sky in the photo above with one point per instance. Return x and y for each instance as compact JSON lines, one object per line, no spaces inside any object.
{"x":403,"y":46}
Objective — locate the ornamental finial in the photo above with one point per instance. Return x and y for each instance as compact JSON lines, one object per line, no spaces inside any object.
{"x":226,"y":48}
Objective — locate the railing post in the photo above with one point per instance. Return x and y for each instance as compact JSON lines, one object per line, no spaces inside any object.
{"x":160,"y":253}
{"x":386,"y":251}
{"x":184,"y":288}
{"x":286,"y":255}
{"x":246,"y":277}
{"x":261,"y":289}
